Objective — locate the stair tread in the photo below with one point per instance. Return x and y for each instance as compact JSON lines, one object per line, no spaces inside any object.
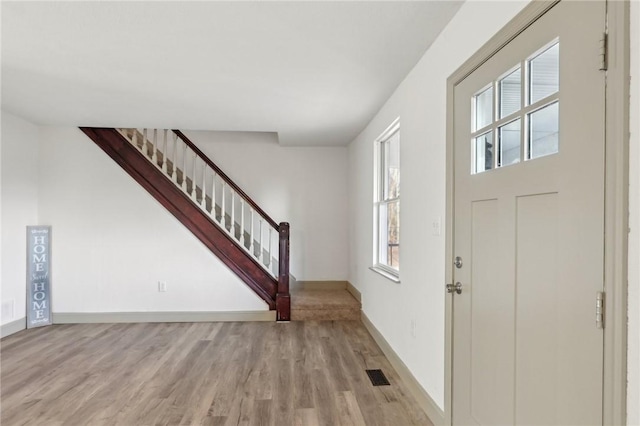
{"x":323,"y":299}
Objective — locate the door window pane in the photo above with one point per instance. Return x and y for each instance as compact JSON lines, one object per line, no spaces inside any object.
{"x":509,"y":143}
{"x":510,"y":93}
{"x":484,"y":108}
{"x":544,"y":72}
{"x":543,"y":131}
{"x":484,"y":152}
{"x":389,"y":215}
{"x":516,"y":117}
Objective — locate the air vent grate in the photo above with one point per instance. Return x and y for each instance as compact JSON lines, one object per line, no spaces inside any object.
{"x":377,"y":378}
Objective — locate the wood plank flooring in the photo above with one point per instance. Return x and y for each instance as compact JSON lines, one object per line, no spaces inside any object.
{"x":254,"y":373}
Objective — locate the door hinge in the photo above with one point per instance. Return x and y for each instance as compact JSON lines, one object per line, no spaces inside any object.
{"x":600,"y":299}
{"x":604,"y":52}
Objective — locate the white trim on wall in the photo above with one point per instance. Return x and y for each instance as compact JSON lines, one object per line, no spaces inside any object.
{"x":175,"y":316}
{"x":13,"y":327}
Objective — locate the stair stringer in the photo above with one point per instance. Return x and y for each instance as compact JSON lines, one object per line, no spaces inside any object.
{"x":183,"y":209}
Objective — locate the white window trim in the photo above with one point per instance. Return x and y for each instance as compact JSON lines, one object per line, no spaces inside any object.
{"x":382,"y":269}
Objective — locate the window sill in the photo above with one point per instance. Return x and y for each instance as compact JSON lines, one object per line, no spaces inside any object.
{"x":386,"y":274}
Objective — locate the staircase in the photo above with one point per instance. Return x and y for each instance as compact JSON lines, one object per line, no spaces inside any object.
{"x":205,"y":200}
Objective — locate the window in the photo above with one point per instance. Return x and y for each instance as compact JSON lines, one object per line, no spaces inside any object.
{"x":387,"y":202}
{"x":514,"y":121}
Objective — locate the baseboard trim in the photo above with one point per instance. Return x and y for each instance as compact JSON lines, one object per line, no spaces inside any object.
{"x":320,"y":285}
{"x":435,"y":414}
{"x":13,"y":327}
{"x":354,"y":292}
{"x":174,"y":316}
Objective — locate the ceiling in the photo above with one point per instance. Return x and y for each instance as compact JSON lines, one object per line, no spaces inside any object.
{"x":315,"y":73}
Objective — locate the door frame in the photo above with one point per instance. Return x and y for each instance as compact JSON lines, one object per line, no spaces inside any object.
{"x":616,"y":198}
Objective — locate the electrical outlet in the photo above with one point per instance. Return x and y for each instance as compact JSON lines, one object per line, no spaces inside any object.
{"x":6,"y":310}
{"x":436,"y":227}
{"x":162,"y":286}
{"x":413,"y":328}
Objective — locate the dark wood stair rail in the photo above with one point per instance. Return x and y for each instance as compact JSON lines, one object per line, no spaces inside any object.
{"x":283,"y":304}
{"x":274,"y":293}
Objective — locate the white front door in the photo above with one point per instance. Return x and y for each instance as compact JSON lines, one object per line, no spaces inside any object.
{"x":529,"y":226}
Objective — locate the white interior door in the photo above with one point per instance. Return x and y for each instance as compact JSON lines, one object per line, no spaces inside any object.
{"x":529,"y":226}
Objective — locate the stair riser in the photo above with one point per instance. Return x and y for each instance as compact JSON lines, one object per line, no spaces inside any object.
{"x":325,"y":314}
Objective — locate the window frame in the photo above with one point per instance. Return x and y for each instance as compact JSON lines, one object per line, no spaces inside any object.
{"x":380,"y":200}
{"x":527,"y":109}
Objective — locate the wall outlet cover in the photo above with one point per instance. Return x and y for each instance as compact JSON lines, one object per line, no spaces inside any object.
{"x":7,"y":310}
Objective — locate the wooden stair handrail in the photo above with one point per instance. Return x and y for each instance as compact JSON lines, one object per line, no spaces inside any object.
{"x":114,"y":144}
{"x":227,"y":179}
{"x":150,"y":168}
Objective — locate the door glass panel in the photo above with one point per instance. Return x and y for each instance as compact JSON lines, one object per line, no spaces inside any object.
{"x":484,"y":152}
{"x":509,"y":143}
{"x":544,"y":71}
{"x":510,"y":93}
{"x":535,"y":133}
{"x":543,"y":131}
{"x":484,"y":108}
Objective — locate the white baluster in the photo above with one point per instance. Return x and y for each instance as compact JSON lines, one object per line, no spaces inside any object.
{"x":232,"y":229}
{"x":213,"y":196}
{"x":174,"y":174}
{"x":251,"y":248}
{"x":184,"y":168}
{"x":242,"y":241}
{"x":194,"y":195}
{"x":134,"y":138}
{"x":223,"y":217}
{"x":261,"y":254}
{"x":154,"y":157}
{"x":165,"y":160}
{"x":269,"y":247}
{"x":143,"y":148}
{"x":203,"y":190}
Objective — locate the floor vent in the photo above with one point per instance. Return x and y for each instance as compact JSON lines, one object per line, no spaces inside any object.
{"x":377,"y":378}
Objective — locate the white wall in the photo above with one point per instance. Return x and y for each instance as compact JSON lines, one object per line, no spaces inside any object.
{"x":112,"y":242}
{"x":420,"y":102}
{"x":633,"y":355}
{"x":306,"y":187}
{"x":19,"y":145}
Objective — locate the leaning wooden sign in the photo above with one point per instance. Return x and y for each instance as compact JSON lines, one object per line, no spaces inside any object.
{"x":38,"y":276}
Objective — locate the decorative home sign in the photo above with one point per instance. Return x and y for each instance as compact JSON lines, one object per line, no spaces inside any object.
{"x":38,"y":276}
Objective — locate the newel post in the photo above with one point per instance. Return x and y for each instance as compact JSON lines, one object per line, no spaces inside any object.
{"x":283,"y":300}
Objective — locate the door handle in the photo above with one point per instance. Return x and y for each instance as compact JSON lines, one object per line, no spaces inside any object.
{"x":457,"y":287}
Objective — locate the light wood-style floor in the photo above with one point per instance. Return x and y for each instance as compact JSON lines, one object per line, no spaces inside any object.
{"x":298,"y":373}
